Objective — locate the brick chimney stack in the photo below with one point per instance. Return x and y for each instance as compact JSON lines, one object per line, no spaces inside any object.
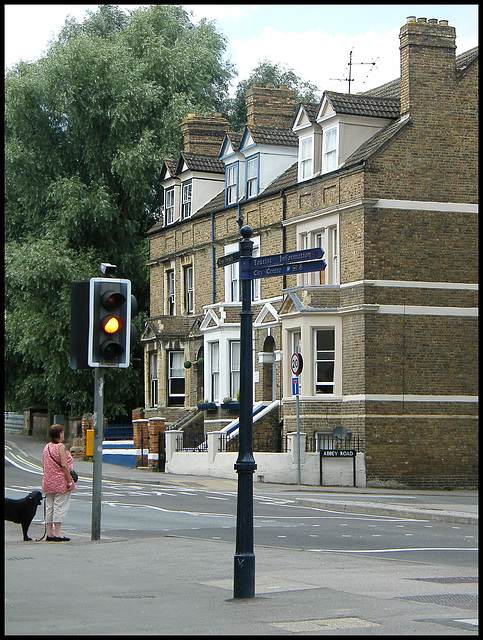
{"x":428,"y":66}
{"x":269,"y":106}
{"x":204,"y":134}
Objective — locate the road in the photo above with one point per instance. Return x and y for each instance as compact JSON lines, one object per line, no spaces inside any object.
{"x":140,"y":510}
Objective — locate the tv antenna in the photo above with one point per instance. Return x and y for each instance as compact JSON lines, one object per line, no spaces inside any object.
{"x":350,"y":78}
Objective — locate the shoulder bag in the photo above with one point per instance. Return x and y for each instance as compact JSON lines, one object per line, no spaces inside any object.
{"x":74,"y":475}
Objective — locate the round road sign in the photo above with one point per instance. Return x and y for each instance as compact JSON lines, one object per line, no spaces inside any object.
{"x":296,"y":363}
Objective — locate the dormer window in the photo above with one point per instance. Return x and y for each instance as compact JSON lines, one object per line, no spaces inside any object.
{"x":329,"y":155}
{"x":231,"y":177}
{"x":186,"y":201}
{"x":306,"y":158}
{"x":253,"y":164}
{"x":169,"y":205}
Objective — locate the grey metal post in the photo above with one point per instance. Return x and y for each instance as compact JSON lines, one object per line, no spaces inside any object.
{"x":297,"y":403}
{"x":244,"y":560}
{"x":97,"y":458}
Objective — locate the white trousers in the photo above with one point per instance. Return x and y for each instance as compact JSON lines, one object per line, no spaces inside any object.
{"x":56,"y":506}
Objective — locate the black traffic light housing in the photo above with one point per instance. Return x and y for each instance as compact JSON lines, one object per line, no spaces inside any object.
{"x":110,"y":305}
{"x":79,"y":324}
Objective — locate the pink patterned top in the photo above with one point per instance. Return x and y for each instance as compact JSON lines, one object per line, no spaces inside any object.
{"x":54,"y":478}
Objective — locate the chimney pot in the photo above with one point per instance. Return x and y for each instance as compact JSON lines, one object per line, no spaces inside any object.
{"x":411,"y":18}
{"x":422,"y":20}
{"x":433,"y":21}
{"x":444,"y":23}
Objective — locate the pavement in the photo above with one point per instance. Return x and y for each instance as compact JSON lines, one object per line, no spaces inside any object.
{"x":176,"y":585}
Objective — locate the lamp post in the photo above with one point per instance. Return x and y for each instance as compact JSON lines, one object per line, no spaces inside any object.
{"x":244,"y":560}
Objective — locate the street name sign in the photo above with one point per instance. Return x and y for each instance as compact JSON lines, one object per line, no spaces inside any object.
{"x":230,"y":258}
{"x":338,"y":453}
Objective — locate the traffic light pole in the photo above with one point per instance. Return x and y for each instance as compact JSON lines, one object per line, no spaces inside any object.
{"x":244,"y":561}
{"x":97,"y":461}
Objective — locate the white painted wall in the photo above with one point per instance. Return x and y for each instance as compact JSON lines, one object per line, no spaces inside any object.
{"x":280,"y":468}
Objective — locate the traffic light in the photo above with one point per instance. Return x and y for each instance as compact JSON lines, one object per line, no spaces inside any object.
{"x":110,"y":306}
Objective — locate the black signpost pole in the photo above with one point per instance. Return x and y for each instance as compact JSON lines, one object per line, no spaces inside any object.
{"x":244,"y":574}
{"x":250,"y":269}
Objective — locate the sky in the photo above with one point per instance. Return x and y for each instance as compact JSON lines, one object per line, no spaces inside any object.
{"x":314,"y":40}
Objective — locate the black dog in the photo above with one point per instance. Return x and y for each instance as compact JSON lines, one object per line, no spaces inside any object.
{"x":23,"y":511}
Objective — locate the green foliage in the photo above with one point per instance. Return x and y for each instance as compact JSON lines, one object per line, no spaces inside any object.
{"x":86,"y":130}
{"x":269,"y":73}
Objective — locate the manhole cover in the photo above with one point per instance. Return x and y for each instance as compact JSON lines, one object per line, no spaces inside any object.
{"x":132,"y":596}
{"x":461,"y":601}
{"x":460,"y":580}
{"x":328,"y":623}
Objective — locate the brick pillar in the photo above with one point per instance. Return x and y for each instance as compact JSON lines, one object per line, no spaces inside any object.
{"x":141,"y":427}
{"x":155,"y":426}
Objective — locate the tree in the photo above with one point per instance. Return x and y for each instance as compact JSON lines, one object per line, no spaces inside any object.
{"x":86,"y":130}
{"x":269,"y":73}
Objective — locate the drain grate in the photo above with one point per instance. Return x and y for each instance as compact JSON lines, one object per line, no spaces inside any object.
{"x":462,"y":601}
{"x":457,"y":580}
{"x":20,"y":558}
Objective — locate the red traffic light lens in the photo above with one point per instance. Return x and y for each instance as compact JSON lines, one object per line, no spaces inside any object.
{"x":112,"y":300}
{"x":112,"y":325}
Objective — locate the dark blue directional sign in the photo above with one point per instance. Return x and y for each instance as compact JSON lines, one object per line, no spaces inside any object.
{"x":230,"y":258}
{"x":248,"y":271}
{"x":287,"y":258}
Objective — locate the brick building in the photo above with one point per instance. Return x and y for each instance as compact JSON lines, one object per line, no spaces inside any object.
{"x":386,"y":183}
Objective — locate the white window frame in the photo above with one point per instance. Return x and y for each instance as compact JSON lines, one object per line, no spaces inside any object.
{"x":231,"y":183}
{"x":170,"y":292}
{"x":324,"y":441}
{"x":322,"y":356}
{"x":232,"y":274}
{"x":169,"y":205}
{"x":330,"y":146}
{"x":326,"y":237}
{"x":234,"y":351}
{"x":215,"y":370}
{"x":186,"y":190}
{"x":153,"y":378}
{"x":306,"y":158}
{"x":253,"y":174}
{"x":188,"y":280}
{"x":172,"y":370}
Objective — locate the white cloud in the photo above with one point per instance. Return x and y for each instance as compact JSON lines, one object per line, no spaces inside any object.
{"x":319,"y":57}
{"x":221,"y":12}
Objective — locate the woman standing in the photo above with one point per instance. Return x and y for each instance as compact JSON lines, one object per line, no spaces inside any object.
{"x":57,"y":483}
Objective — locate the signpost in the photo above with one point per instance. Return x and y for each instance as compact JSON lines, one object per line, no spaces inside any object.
{"x":296,"y":364}
{"x":250,"y":268}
